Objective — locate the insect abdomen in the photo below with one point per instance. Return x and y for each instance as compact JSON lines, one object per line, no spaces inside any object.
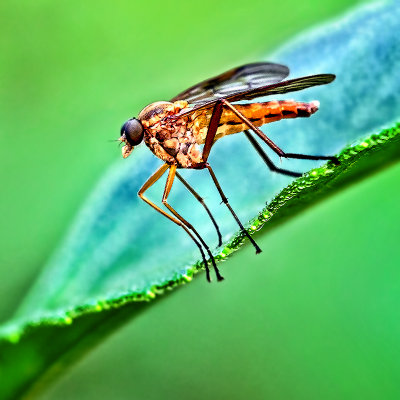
{"x":263,"y":113}
{"x":257,"y":113}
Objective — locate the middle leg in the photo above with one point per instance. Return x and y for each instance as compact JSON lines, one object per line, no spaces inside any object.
{"x":211,"y":132}
{"x":225,"y":201}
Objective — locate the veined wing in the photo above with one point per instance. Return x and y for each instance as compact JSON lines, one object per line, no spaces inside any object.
{"x":291,"y":85}
{"x":237,"y":80}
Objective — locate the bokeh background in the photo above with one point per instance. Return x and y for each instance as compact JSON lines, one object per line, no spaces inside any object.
{"x":323,"y":323}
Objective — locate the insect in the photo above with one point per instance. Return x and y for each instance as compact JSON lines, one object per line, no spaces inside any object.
{"x":203,"y":114}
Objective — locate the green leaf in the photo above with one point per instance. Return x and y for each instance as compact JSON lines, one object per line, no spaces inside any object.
{"x":119,"y":252}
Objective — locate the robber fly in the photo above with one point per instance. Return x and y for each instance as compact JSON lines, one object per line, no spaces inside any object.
{"x":203,"y":114}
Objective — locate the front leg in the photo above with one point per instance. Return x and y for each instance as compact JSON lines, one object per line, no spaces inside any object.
{"x":168,"y":186}
{"x":180,"y":222}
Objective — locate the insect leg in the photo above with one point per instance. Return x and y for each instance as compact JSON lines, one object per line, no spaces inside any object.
{"x":225,"y":201}
{"x":201,"y":201}
{"x":167,"y":190}
{"x":266,"y":159}
{"x":153,"y":179}
{"x":212,"y":129}
{"x":271,"y":144}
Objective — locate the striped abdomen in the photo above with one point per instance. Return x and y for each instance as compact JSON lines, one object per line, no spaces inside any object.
{"x":258,"y":114}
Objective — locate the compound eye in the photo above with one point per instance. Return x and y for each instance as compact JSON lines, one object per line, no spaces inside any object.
{"x":133,"y":131}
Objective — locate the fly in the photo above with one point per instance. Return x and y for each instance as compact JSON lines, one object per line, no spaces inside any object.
{"x":203,"y":114}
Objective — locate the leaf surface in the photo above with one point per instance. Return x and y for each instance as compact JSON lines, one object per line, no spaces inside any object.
{"x":120,"y":252}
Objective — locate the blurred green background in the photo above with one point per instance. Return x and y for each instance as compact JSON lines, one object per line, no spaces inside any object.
{"x":323,"y":323}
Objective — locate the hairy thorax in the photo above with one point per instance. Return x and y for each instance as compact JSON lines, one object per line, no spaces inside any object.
{"x":170,"y":139}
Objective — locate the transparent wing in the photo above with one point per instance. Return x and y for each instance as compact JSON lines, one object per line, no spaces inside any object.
{"x":277,"y":88}
{"x":250,"y":76}
{"x":292,"y":85}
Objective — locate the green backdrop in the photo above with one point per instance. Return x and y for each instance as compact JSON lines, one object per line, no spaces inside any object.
{"x":70,"y":73}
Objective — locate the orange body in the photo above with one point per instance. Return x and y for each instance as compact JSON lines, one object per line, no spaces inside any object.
{"x":176,"y":140}
{"x":182,"y":132}
{"x":258,"y":113}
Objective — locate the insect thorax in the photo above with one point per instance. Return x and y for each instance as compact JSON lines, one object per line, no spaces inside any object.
{"x":170,"y":139}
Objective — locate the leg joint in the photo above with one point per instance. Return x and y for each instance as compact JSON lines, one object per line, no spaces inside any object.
{"x":224,"y":199}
